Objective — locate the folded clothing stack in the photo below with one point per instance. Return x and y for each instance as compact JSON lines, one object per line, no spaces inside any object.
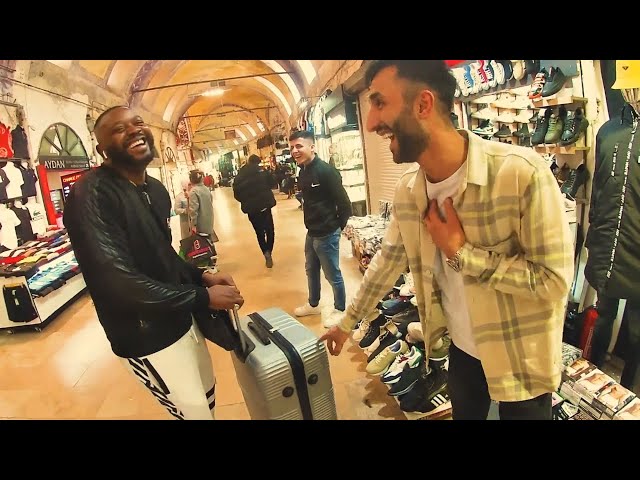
{"x":49,"y":279}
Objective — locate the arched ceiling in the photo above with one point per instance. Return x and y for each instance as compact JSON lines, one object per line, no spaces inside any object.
{"x":265,"y":91}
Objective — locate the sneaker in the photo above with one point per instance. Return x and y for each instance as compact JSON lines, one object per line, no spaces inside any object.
{"x":307,"y":310}
{"x":334,"y":318}
{"x":388,"y":337}
{"x":556,"y":126}
{"x":554,"y":82}
{"x":504,"y":132}
{"x":404,"y":319}
{"x":486,"y":113}
{"x":442,"y":350}
{"x":542,"y":125}
{"x":414,"y":332}
{"x":373,"y":332}
{"x":485,"y":129}
{"x":412,"y":358}
{"x":577,"y":178}
{"x":428,"y":394}
{"x":575,"y":126}
{"x":364,"y":325}
{"x":519,"y":69}
{"x":268,"y":259}
{"x":381,"y":362}
{"x":408,"y":378}
{"x":538,"y":85}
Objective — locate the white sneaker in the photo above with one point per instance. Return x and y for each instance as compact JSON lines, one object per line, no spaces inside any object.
{"x":334,"y":318}
{"x":307,"y":310}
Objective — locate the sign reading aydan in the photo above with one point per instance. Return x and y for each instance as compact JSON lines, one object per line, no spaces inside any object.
{"x":64,"y":163}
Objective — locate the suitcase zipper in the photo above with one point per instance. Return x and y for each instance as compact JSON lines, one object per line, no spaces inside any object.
{"x":295,"y":360}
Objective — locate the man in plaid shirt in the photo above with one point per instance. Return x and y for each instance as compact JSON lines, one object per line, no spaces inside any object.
{"x":483,"y":229}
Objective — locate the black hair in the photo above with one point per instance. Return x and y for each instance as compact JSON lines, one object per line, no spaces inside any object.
{"x":433,"y":73}
{"x":254,"y":159}
{"x":103,"y":114}
{"x":302,"y":134}
{"x":196,"y":176}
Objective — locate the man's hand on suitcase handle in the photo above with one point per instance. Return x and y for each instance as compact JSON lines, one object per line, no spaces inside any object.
{"x":224,"y":297}
{"x":212,"y":279}
{"x":335,"y":340}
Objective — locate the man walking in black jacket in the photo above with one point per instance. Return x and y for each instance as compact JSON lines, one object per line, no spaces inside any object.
{"x":145,"y":295}
{"x":326,"y":210}
{"x":253,"y":190}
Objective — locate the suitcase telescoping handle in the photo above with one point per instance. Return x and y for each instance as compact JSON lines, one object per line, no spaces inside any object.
{"x":236,"y":320}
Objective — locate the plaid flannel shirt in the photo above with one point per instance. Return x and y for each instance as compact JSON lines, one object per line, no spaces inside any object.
{"x":517,"y":265}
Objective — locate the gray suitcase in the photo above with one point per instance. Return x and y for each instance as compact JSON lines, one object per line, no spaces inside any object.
{"x":282,"y":369}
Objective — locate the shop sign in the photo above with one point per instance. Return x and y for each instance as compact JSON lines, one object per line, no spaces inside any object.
{"x":65,"y":163}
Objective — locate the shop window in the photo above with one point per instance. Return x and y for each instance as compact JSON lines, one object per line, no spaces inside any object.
{"x":60,"y":140}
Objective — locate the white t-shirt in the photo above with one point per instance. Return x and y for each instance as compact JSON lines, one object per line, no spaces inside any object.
{"x":454,"y":302}
{"x":16,"y":180}
{"x":38,"y":220}
{"x":9,"y":221}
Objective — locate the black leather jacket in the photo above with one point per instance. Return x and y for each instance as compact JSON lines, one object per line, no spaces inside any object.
{"x":144,"y":293}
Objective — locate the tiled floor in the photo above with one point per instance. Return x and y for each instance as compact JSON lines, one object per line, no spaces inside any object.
{"x":68,"y":371}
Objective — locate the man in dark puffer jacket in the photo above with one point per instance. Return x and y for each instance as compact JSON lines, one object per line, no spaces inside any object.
{"x":251,"y":188}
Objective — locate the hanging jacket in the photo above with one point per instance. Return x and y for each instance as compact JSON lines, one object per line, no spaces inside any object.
{"x":613,"y":265}
{"x":19,"y":143}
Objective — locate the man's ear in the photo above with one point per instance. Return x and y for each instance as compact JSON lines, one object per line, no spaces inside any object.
{"x":101,"y":152}
{"x":426,"y":103}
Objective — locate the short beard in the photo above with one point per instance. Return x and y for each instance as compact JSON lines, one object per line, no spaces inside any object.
{"x":121,"y":159}
{"x":412,"y":140}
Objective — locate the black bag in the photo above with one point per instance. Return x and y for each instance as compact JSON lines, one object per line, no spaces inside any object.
{"x":217,"y":327}
{"x":197,"y":249}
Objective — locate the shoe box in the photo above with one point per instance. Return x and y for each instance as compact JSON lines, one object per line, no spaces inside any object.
{"x":594,"y":392}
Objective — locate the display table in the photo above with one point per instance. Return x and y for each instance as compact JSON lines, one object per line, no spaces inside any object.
{"x":35,"y":292}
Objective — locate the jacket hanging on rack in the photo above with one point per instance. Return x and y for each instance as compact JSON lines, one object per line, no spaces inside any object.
{"x":19,"y":143}
{"x":30,"y":180}
{"x":5,"y":142}
{"x":24,"y":231}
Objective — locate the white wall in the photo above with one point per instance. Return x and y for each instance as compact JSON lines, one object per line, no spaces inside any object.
{"x":44,"y":109}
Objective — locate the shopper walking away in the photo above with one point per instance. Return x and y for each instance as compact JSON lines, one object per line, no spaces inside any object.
{"x":253,"y":190}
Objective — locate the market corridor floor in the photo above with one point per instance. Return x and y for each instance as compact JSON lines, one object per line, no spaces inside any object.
{"x":68,"y":371}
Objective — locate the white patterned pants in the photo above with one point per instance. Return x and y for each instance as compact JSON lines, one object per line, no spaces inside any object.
{"x":180,"y":377}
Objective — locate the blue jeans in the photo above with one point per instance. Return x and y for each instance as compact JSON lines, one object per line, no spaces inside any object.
{"x":324,"y":252}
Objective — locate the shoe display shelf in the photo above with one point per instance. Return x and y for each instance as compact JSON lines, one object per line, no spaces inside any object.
{"x":21,"y":309}
{"x":441,"y":412}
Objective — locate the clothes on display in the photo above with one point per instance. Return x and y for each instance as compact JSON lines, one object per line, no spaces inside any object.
{"x":366,"y":234}
{"x":17,"y":299}
{"x":24,"y":231}
{"x":26,"y":260}
{"x":30,"y":180}
{"x":19,"y":143}
{"x":38,"y":219}
{"x":8,"y":223}
{"x":16,"y":180}
{"x":5,"y":142}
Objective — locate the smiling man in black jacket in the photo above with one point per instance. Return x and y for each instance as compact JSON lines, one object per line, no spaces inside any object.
{"x":326,"y":210}
{"x":145,"y":295}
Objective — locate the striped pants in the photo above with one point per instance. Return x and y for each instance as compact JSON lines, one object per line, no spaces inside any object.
{"x":180,"y":377}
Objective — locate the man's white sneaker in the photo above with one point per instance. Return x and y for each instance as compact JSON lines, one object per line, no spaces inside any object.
{"x":334,"y":318}
{"x":307,"y":310}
